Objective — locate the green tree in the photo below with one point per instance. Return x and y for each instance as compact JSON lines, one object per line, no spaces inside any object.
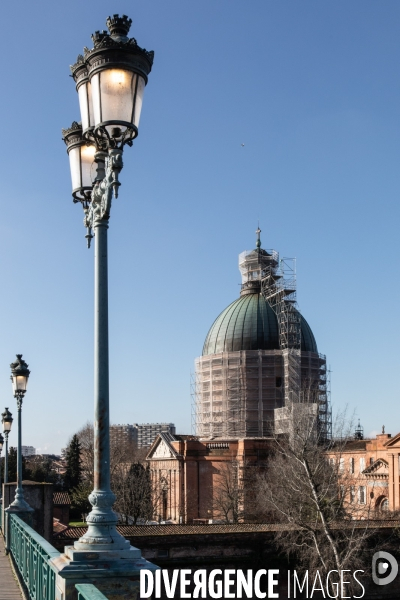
{"x":80,"y":505}
{"x":12,"y":466}
{"x":73,"y":473}
{"x":41,"y":470}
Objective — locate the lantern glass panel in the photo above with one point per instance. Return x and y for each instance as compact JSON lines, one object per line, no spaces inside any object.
{"x":95,"y":85}
{"x":139,"y":100}
{"x":19,"y":383}
{"x":87,"y":160}
{"x":6,"y":426}
{"x":85,"y":105}
{"x":75,"y":167}
{"x":81,"y":159}
{"x":117,"y":96}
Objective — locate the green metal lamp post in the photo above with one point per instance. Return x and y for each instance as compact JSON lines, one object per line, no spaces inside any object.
{"x":1,"y":448}
{"x":110,"y":80}
{"x":7,"y":420}
{"x":19,"y":377}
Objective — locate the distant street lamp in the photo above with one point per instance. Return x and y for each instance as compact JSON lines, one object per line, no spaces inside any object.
{"x":110,"y":81}
{"x":7,"y":420}
{"x":19,"y":377}
{"x":1,"y":448}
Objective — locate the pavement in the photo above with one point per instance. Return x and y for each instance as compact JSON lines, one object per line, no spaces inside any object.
{"x":9,"y":586}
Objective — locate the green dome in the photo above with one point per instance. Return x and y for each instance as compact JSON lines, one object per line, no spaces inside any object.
{"x":249,"y":323}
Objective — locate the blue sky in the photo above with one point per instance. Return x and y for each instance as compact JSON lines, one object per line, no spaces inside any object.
{"x":312,"y":90}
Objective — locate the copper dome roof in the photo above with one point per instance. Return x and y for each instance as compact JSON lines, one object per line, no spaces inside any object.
{"x":249,"y":323}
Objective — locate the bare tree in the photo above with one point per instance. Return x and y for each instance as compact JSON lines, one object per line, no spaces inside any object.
{"x":228,"y":493}
{"x":125,"y":452}
{"x":308,"y":488}
{"x":132,"y":486}
{"x":233,"y":492}
{"x":130,"y":479}
{"x":86,"y":439}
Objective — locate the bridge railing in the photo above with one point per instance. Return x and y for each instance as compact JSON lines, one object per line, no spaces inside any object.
{"x":31,"y":555}
{"x":86,"y":591}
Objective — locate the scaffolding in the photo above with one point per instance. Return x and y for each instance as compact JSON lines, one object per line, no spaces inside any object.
{"x":236,"y":394}
{"x":278,"y":286}
{"x":277,"y":278}
{"x":218,"y":406}
{"x":306,"y":379}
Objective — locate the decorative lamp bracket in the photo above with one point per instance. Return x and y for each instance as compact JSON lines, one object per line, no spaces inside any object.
{"x":19,"y":396}
{"x":105,"y":187}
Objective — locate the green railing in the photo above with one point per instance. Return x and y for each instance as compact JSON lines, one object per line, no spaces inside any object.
{"x":31,"y":554}
{"x":86,"y":591}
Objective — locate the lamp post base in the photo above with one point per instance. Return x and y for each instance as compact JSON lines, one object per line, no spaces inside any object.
{"x":114,"y":578}
{"x":19,"y":506}
{"x":89,"y":547}
{"x":102,"y":536}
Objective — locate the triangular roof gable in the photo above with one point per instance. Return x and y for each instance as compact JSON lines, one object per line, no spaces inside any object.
{"x":161,"y":449}
{"x":379,"y":467}
{"x":395,"y":441}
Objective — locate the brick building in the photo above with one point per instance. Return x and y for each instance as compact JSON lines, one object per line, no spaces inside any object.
{"x":374,"y":466}
{"x":186,"y":473}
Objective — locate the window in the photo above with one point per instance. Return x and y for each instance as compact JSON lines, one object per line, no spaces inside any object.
{"x":341,"y":464}
{"x":362,"y":464}
{"x":371,"y":461}
{"x":384,"y":504}
{"x":361,"y":494}
{"x":352,"y":493}
{"x":352,"y":465}
{"x":332,"y":462}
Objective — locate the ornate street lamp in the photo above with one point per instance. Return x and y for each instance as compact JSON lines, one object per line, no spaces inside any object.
{"x":1,"y":448}
{"x":19,"y":377}
{"x":110,"y":80}
{"x":7,"y":420}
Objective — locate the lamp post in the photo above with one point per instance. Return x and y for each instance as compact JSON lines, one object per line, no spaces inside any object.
{"x":7,"y":420}
{"x":110,"y":80}
{"x":1,"y":448}
{"x":19,"y":377}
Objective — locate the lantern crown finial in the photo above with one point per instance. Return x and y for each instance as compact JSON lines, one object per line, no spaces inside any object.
{"x":119,"y":26}
{"x":74,"y":131}
{"x":20,"y":366}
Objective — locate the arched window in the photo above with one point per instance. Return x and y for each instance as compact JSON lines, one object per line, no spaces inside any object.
{"x":384,"y":505}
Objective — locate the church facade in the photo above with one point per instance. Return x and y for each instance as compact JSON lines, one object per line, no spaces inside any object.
{"x":188,"y":472}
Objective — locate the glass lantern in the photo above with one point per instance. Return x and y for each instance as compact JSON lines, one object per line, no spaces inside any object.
{"x":19,"y":375}
{"x":83,"y":87}
{"x":81,"y":161}
{"x":116,"y":70}
{"x":6,"y":419}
